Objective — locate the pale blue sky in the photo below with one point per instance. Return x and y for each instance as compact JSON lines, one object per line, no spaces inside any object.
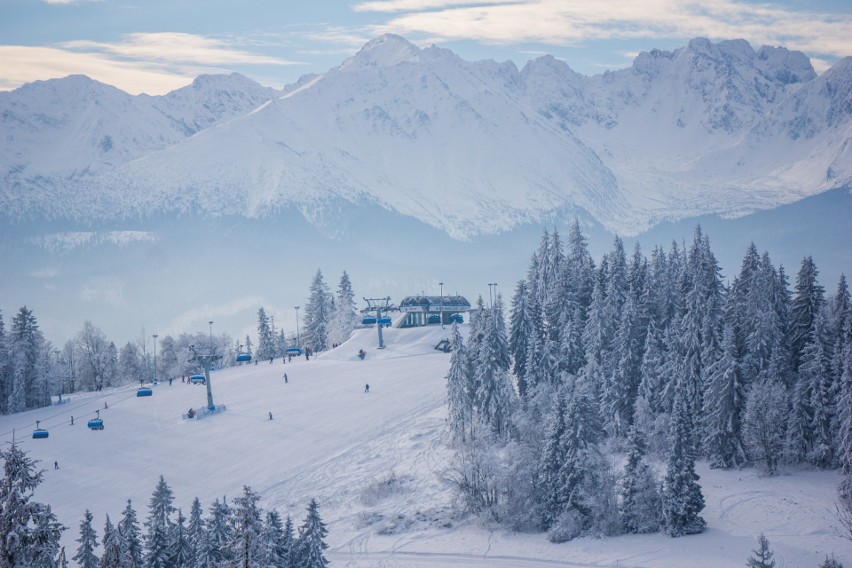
{"x":155,"y":46}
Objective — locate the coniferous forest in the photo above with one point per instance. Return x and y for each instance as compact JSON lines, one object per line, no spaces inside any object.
{"x":602,"y":367}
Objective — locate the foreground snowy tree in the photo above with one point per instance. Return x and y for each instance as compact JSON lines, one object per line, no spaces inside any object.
{"x":764,"y":423}
{"x":762,"y":557}
{"x":682,"y":497}
{"x":308,"y":549}
{"x":159,"y":526}
{"x":641,"y":507}
{"x":111,"y":557}
{"x":345,"y":312}
{"x":30,"y":531}
{"x":318,"y":314}
{"x":246,"y":527}
{"x":85,"y":557}
{"x":459,"y":395}
{"x":129,"y":538}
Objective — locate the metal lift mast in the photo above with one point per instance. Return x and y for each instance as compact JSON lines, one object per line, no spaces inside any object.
{"x":377,"y":306}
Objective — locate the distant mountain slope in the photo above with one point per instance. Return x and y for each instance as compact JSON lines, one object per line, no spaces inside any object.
{"x":468,"y":147}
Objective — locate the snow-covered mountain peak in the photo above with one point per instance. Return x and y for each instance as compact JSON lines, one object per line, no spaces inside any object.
{"x":384,"y":51}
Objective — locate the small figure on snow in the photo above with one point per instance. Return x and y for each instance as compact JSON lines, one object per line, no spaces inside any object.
{"x":270,"y":415}
{"x":285,"y":378}
{"x":72,"y":421}
{"x":105,"y":405}
{"x":367,"y":387}
{"x":56,"y":465}
{"x":270,"y":360}
{"x":190,"y":414}
{"x":362,"y":354}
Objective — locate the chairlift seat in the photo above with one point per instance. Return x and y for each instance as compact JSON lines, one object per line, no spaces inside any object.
{"x":38,"y":434}
{"x":369,"y":320}
{"x":243,"y":357}
{"x":96,"y":424}
{"x":198,"y":379}
{"x":144,"y":392}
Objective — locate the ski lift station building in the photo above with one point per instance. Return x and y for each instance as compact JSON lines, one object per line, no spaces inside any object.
{"x":425,"y":310}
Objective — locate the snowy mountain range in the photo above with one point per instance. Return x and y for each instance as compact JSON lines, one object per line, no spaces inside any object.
{"x":470,"y":148}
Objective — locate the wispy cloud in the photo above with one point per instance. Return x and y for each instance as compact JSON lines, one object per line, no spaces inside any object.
{"x":558,"y":22}
{"x":151,"y":62}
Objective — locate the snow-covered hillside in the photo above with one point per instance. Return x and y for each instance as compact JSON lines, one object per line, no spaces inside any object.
{"x":374,"y":462}
{"x":468,"y":147}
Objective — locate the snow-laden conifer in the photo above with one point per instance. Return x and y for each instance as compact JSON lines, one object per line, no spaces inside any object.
{"x":762,"y":556}
{"x":85,"y":556}
{"x":309,"y":547}
{"x":158,"y":526}
{"x":30,"y":531}
{"x":345,"y":312}
{"x":318,"y":314}
{"x":724,"y":407}
{"x":460,"y":407}
{"x":129,"y":538}
{"x":641,"y":507}
{"x":111,"y":557}
{"x":764,"y":423}
{"x":246,"y":546}
{"x":682,"y":497}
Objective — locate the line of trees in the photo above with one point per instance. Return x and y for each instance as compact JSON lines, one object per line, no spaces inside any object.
{"x":242,"y":534}
{"x":33,"y":369}
{"x":645,"y":356}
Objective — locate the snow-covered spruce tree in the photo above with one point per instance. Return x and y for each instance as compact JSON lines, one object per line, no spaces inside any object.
{"x":520,"y":332}
{"x":85,"y":557}
{"x":180,"y":552}
{"x":289,"y":542}
{"x":762,"y":556}
{"x":274,"y":542}
{"x":219,"y":532}
{"x":28,"y":352}
{"x":724,"y":407}
{"x":265,"y":336}
{"x":245,"y":547}
{"x":844,"y":450}
{"x":309,"y":547}
{"x":129,"y":538}
{"x":158,"y":526}
{"x":494,"y":398}
{"x":5,"y":368}
{"x":808,"y":300}
{"x":459,"y":398}
{"x":621,"y":388}
{"x":575,"y":486}
{"x":815,"y":371}
{"x":641,"y":507}
{"x":345,"y":312}
{"x":30,"y":530}
{"x":318,"y":313}
{"x":682,"y":497}
{"x":830,"y":562}
{"x":196,"y":534}
{"x":111,"y":557}
{"x":764,"y":423}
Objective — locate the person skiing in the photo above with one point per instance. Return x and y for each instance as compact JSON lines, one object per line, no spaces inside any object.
{"x":270,"y":415}
{"x":367,"y":387}
{"x":285,"y":378}
{"x":56,"y":465}
{"x":72,"y":421}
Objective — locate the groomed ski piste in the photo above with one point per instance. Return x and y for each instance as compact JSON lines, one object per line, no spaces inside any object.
{"x":374,"y":461}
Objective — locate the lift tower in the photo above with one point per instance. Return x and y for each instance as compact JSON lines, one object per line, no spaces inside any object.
{"x":377,"y":306}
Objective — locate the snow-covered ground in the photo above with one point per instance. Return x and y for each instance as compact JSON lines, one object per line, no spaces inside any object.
{"x":374,"y":462}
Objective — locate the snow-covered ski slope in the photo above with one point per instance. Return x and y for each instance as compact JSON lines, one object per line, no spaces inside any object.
{"x":374,"y":462}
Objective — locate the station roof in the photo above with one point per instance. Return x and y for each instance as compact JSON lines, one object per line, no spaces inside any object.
{"x":434,"y":303}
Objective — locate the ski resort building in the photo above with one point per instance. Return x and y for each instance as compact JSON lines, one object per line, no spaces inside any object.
{"x":425,"y":310}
